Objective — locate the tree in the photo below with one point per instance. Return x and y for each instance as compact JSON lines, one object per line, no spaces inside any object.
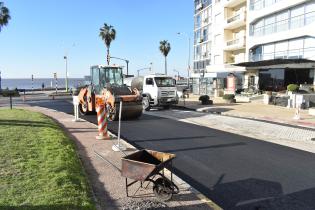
{"x":4,"y":15}
{"x":108,"y":34}
{"x":165,"y":48}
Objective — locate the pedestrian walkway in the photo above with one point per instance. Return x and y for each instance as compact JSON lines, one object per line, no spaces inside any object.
{"x":103,"y":171}
{"x":251,"y":110}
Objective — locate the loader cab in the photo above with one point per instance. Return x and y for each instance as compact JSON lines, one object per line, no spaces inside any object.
{"x":105,"y":76}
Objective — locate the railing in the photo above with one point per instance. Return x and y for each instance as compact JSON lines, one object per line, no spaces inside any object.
{"x":286,"y":24}
{"x":307,"y":53}
{"x":236,"y":41}
{"x":234,"y":18}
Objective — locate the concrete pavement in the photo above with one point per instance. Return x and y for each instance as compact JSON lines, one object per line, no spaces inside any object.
{"x":252,"y":110}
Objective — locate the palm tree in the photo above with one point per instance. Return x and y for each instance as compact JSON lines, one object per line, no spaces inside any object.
{"x":165,"y":48}
{"x":108,"y":34}
{"x":4,"y":15}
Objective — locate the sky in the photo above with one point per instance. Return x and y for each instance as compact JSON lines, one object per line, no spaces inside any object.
{"x":41,"y":32}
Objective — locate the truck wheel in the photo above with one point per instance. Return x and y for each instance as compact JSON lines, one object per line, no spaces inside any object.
{"x":167,"y":107}
{"x":146,"y":104}
{"x":83,"y":109}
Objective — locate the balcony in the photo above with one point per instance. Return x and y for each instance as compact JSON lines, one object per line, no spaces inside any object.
{"x":235,"y":44}
{"x":233,"y":3}
{"x":236,"y":21}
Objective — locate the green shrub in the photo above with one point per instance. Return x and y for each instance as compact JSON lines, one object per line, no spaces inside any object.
{"x":7,"y":93}
{"x":228,"y":96}
{"x":292,"y":87}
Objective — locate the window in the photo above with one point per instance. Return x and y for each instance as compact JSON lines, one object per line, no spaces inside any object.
{"x":310,"y":13}
{"x":297,"y":17}
{"x":295,"y":48}
{"x":268,"y":51}
{"x":309,"y":48}
{"x":281,"y":50}
{"x":149,"y":81}
{"x":292,"y":18}
{"x":270,"y":25}
{"x":282,"y":23}
{"x":258,"y":28}
{"x":205,"y":34}
{"x":198,"y":21}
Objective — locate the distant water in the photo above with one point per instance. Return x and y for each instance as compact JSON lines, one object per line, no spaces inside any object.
{"x":48,"y":83}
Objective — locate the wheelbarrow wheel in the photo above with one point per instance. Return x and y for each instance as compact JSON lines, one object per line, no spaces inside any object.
{"x":162,"y":190}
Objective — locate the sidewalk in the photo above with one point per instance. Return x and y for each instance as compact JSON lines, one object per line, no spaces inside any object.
{"x":107,"y":184}
{"x":256,"y":111}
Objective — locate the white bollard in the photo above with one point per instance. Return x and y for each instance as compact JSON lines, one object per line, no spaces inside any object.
{"x":76,"y":108}
{"x":118,"y":147}
{"x":297,"y":114}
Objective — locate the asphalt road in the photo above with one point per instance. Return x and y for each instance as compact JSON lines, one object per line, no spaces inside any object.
{"x":234,"y":171}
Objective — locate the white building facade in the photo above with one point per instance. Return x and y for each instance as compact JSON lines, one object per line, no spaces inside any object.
{"x":264,"y":43}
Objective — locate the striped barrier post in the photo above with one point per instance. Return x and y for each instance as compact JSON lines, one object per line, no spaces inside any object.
{"x":102,"y":122}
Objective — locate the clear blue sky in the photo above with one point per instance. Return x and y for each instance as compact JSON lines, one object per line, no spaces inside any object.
{"x":40,"y":31}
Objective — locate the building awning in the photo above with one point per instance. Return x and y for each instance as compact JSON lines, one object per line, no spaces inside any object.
{"x":273,"y":62}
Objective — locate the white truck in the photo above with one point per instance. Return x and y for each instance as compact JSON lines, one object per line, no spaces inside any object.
{"x":158,"y":90}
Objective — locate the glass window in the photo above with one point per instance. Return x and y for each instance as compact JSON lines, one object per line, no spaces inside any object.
{"x":295,"y":48}
{"x":258,"y":28}
{"x":282,"y":21}
{"x":297,"y":17}
{"x":281,"y":49}
{"x":205,"y":34}
{"x":164,"y":82}
{"x":268,"y":52}
{"x":270,"y":25}
{"x":198,"y":21}
{"x":309,"y":48}
{"x":310,"y":13}
{"x":96,"y":79}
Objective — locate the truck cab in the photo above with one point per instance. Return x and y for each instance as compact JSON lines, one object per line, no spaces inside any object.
{"x":159,"y":90}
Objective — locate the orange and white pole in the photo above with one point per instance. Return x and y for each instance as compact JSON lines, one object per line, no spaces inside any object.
{"x":102,"y":122}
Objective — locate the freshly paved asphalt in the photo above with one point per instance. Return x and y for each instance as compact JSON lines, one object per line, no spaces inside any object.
{"x":234,"y":171}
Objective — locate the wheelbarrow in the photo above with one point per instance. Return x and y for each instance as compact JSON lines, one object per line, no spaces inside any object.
{"x":146,"y":165}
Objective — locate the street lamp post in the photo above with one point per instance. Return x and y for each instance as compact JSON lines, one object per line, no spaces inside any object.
{"x":142,"y":69}
{"x":127,"y":62}
{"x":177,"y":73}
{"x":188,"y":62}
{"x":66,"y":59}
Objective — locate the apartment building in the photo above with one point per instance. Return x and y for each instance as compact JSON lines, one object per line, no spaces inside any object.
{"x":220,"y":41}
{"x":280,"y":43}
{"x":265,"y":44}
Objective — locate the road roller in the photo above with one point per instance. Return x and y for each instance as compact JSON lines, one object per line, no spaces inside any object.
{"x":107,"y":85}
